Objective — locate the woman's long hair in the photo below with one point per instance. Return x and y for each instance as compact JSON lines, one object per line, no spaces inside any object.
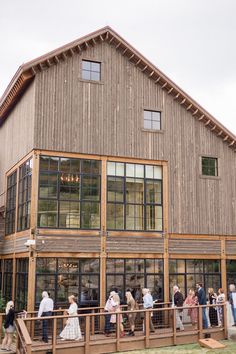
{"x":9,"y":305}
{"x":129,"y":297}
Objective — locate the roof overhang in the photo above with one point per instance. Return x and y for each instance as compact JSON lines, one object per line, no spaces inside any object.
{"x":26,"y":73}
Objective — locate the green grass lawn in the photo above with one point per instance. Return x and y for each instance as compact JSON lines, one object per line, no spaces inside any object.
{"x":189,"y":349}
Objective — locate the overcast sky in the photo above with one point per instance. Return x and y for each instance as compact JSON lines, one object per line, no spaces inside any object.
{"x":191,"y":41}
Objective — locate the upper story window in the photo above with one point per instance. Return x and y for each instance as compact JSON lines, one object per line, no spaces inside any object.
{"x":152,"y":120}
{"x":69,"y":193}
{"x":134,"y":197}
{"x":209,"y":166}
{"x":11,"y":203}
{"x":91,"y":70}
{"x":24,"y":195}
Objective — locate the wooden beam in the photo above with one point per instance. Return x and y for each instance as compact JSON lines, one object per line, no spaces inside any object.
{"x":183,"y":101}
{"x":138,"y":62}
{"x":189,"y":107}
{"x":145,"y":67}
{"x":164,"y":85}
{"x":202,"y":116}
{"x":157,"y":80}
{"x":101,"y":37}
{"x":131,"y":56}
{"x":232,"y":143}
{"x":225,"y":138}
{"x":118,"y":45}
{"x":194,"y":113}
{"x":124,"y":51}
{"x":220,"y":132}
{"x":208,"y":122}
{"x":213,"y":128}
{"x":111,"y":40}
{"x":170,"y":90}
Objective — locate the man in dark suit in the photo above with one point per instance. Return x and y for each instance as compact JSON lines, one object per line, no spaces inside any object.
{"x":202,"y":301}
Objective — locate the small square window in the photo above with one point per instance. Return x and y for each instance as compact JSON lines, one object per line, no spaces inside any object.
{"x":209,"y":166}
{"x":152,"y":120}
{"x":91,"y":70}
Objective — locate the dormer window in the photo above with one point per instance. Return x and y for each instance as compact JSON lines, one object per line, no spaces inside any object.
{"x":91,"y":70}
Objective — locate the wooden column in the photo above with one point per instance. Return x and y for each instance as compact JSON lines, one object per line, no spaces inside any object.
{"x":165,"y":234}
{"x":223,"y":268}
{"x":103,"y":233}
{"x":33,"y":226}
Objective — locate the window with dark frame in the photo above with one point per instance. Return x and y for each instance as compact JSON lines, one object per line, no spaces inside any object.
{"x":24,"y":195}
{"x":209,"y":166}
{"x":7,"y":279}
{"x":21,"y":281}
{"x":135,"y":274}
{"x":134,"y":197}
{"x":11,"y":204}
{"x":65,"y":276}
{"x":152,"y":120}
{"x":69,"y":193}
{"x":187,"y":273}
{"x":91,"y":70}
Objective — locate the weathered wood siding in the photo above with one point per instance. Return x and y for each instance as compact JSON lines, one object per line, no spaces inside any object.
{"x":16,"y":135}
{"x":135,"y":244}
{"x":107,"y":118}
{"x":194,"y":246}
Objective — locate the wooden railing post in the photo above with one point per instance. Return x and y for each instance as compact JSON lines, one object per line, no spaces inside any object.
{"x":117,"y":332}
{"x":54,"y":336}
{"x":174,"y":325}
{"x":200,"y":317}
{"x":87,"y":335}
{"x":93,"y":323}
{"x":147,"y":328}
{"x":225,"y":320}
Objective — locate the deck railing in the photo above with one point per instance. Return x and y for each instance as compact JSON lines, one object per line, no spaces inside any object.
{"x":94,"y":340}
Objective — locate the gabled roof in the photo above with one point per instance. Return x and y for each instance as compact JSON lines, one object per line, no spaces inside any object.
{"x":26,"y":73}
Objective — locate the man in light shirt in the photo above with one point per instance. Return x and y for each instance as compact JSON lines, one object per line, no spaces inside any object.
{"x":148,"y":304}
{"x":45,"y":309}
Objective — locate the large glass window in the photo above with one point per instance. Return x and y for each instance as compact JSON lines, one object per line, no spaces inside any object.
{"x":7,"y":279}
{"x":134,"y":197}
{"x":187,"y":273}
{"x":68,"y":276}
{"x":11,"y":204}
{"x":69,"y":193}
{"x":24,"y":195}
{"x":21,"y":287}
{"x":135,"y":274}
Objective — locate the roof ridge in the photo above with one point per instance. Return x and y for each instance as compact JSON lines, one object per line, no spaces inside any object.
{"x":27,"y":71}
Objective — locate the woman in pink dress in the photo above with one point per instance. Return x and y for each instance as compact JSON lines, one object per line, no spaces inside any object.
{"x":192,"y":300}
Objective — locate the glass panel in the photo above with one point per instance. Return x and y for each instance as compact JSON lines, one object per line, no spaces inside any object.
{"x":147,"y":124}
{"x":115,"y":189}
{"x":194,"y":266}
{"x":120,"y":171}
{"x":95,"y":66}
{"x":45,"y":282}
{"x":153,"y":192}
{"x":155,"y":285}
{"x":69,"y":215}
{"x":69,"y":187}
{"x":115,"y":266}
{"x":90,"y":215}
{"x":115,"y":216}
{"x":139,"y":171}
{"x":154,"y":217}
{"x":95,"y":76}
{"x":177,"y":266}
{"x":149,"y":170}
{"x":115,"y":283}
{"x":48,"y":163}
{"x":178,"y":280}
{"x":156,"y":116}
{"x":89,"y":265}
{"x":68,"y":265}
{"x":65,"y":165}
{"x":67,"y":284}
{"x":156,"y":125}
{"x":212,"y":281}
{"x":91,"y":166}
{"x":231,"y":266}
{"x":47,"y":213}
{"x":111,"y":168}
{"x":134,"y":190}
{"x":86,"y":75}
{"x":48,"y":185}
{"x":193,"y":279}
{"x":134,"y":265}
{"x":134,"y":217}
{"x":148,"y":115}
{"x":86,"y":65}
{"x":91,"y":188}
{"x":134,"y":281}
{"x":89,"y":289}
{"x":157,"y":172}
{"x":211,"y":266}
{"x":130,"y":170}
{"x":46,"y":265}
{"x":154,"y":266}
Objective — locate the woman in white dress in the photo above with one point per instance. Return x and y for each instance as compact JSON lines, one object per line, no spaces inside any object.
{"x":72,"y":329}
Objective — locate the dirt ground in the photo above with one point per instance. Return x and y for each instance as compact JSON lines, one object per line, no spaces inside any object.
{"x":188,"y":349}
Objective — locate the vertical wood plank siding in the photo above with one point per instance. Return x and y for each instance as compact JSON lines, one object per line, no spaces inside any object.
{"x":107,"y":118}
{"x":16,"y":135}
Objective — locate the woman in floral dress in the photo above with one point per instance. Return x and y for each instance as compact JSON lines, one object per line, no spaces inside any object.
{"x":72,"y":329}
{"x":192,"y":300}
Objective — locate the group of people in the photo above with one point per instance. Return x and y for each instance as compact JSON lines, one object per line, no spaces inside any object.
{"x":141,"y":298}
{"x":211,"y":315}
{"x":133,"y":302}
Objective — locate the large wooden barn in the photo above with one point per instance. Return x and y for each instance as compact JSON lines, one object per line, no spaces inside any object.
{"x":116,"y":175}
